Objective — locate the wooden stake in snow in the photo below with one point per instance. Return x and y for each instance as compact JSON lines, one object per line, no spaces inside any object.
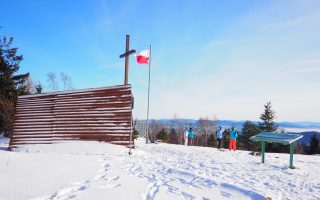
{"x":126,"y":75}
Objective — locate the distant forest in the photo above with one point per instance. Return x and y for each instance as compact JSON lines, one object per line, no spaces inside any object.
{"x":172,"y":132}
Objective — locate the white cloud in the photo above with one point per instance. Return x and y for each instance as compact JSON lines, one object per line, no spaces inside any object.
{"x":266,"y":56}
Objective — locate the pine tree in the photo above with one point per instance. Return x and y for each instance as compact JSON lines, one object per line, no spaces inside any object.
{"x":11,"y":84}
{"x":267,"y":118}
{"x":212,"y":140}
{"x":162,"y":135}
{"x":38,"y":88}
{"x":269,"y":125}
{"x":299,"y":148}
{"x":7,"y":111}
{"x":249,"y":129}
{"x":314,"y":147}
{"x":173,"y":137}
{"x":226,"y":138}
{"x":134,"y":129}
{"x":135,"y":133}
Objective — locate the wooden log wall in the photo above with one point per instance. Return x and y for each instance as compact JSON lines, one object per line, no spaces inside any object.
{"x":101,"y":114}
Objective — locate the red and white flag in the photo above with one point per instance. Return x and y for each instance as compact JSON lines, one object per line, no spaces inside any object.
{"x":143,"y":57}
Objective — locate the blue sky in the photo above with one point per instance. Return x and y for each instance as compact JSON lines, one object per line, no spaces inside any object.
{"x":216,"y":59}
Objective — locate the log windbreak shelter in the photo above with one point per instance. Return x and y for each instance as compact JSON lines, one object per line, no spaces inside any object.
{"x":101,"y":114}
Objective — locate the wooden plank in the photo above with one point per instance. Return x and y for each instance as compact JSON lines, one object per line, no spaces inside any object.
{"x":102,"y":114}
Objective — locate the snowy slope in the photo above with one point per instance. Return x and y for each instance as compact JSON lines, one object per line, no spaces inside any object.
{"x":93,"y":170}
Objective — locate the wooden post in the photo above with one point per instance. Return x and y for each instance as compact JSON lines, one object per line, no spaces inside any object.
{"x":291,"y":156}
{"x":130,"y":143}
{"x":263,"y":150}
{"x":147,"y":132}
{"x":127,"y":61}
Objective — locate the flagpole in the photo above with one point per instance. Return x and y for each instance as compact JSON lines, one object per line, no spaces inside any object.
{"x":147,"y":132}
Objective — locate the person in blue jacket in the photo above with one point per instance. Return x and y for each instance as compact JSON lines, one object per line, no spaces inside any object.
{"x":233,"y":139}
{"x":219,"y":135}
{"x":190,"y":136}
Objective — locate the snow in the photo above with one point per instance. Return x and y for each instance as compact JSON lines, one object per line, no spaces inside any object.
{"x":94,"y":170}
{"x":80,"y":91}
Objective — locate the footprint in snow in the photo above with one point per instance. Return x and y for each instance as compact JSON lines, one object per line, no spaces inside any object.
{"x":110,"y":186}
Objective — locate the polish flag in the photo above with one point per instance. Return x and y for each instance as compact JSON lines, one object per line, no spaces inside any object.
{"x":143,"y":57}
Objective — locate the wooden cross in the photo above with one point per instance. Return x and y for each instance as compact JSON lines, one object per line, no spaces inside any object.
{"x":126,"y":54}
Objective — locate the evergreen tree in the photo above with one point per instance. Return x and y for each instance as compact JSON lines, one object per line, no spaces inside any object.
{"x":134,"y":129}
{"x":299,"y":148}
{"x":269,"y":125}
{"x":7,"y":111}
{"x":267,"y":118}
{"x":162,"y":135}
{"x":249,"y":129}
{"x":38,"y":88}
{"x":11,"y":84}
{"x":226,"y":138}
{"x":135,"y":133}
{"x":173,"y":137}
{"x":306,"y":148}
{"x":314,"y":147}
{"x":212,"y":140}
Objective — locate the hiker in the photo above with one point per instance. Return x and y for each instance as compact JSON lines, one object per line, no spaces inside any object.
{"x":190,"y":135}
{"x":219,"y":135}
{"x":186,"y":135}
{"x":233,"y":139}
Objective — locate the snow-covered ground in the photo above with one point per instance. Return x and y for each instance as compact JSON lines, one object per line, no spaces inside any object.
{"x":93,"y":170}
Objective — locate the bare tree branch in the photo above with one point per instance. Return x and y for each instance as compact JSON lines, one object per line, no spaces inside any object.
{"x":52,"y":82}
{"x":66,"y":81}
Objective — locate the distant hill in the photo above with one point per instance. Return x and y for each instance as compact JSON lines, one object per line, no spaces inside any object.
{"x":307,"y":125}
{"x":307,"y":136}
{"x":315,"y":126}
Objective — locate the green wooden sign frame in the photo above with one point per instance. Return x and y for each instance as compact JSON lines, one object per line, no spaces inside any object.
{"x":274,"y":137}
